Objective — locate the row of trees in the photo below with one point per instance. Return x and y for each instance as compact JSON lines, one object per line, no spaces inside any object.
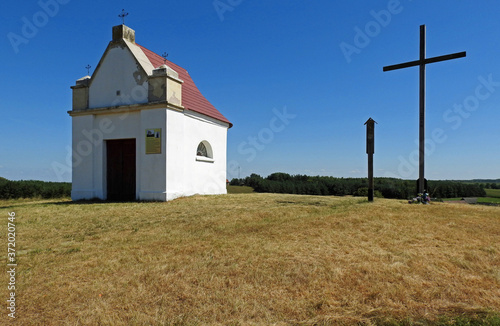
{"x":283,"y":183}
{"x":490,"y":185}
{"x":485,"y":183}
{"x":331,"y":186}
{"x":31,"y":189}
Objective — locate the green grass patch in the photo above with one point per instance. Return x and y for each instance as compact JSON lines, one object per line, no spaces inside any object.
{"x":239,"y":190}
{"x":481,"y":200}
{"x":485,"y":320}
{"x":493,"y":193}
{"x":472,"y":319}
{"x":490,"y":200}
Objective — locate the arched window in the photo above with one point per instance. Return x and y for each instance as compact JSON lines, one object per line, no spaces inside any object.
{"x":204,"y":152}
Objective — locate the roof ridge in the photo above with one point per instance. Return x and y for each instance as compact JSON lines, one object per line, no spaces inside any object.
{"x":192,"y":99}
{"x":156,"y":56}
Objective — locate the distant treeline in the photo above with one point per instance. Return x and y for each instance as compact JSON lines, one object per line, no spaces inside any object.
{"x":33,"y":189}
{"x":481,"y":180}
{"x":485,"y":183}
{"x":331,"y":186}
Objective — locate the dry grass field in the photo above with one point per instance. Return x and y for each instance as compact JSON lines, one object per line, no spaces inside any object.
{"x":253,"y":259}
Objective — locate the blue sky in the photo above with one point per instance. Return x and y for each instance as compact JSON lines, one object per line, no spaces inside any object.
{"x":297,"y":78}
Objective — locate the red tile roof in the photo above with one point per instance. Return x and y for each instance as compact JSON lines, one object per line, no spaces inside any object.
{"x":192,"y":99}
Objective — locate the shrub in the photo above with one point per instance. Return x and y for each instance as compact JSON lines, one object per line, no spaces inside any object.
{"x":31,"y":189}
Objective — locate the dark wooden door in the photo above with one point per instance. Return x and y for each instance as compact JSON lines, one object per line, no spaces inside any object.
{"x":121,"y":169}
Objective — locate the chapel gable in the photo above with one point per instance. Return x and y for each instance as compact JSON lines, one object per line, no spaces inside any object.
{"x":125,"y":76}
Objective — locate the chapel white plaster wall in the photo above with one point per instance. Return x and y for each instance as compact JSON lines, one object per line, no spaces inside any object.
{"x":118,"y":71}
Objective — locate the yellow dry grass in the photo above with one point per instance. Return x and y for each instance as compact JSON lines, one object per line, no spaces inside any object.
{"x":251,"y":259}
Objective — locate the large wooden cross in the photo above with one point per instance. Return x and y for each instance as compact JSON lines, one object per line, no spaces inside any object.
{"x":422,"y":62}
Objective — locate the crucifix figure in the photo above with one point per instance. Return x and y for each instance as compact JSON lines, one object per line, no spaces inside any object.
{"x":421,"y":63}
{"x":123,"y":15}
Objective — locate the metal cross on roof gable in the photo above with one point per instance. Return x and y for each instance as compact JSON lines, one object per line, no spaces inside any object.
{"x":165,"y":56}
{"x":123,"y":15}
{"x":422,"y":62}
{"x":88,"y":69}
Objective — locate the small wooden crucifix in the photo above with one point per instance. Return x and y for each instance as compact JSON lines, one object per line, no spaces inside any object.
{"x":422,"y":62}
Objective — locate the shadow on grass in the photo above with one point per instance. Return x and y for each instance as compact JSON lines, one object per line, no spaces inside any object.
{"x":477,"y":318}
{"x":69,"y":202}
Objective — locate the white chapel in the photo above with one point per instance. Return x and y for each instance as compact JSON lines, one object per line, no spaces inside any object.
{"x":142,"y":130}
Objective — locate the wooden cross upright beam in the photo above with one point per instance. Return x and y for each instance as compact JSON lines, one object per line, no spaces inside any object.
{"x":422,"y":62}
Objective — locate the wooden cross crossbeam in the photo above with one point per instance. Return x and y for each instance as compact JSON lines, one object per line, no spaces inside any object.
{"x":422,"y":62}
{"x":426,"y":61}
